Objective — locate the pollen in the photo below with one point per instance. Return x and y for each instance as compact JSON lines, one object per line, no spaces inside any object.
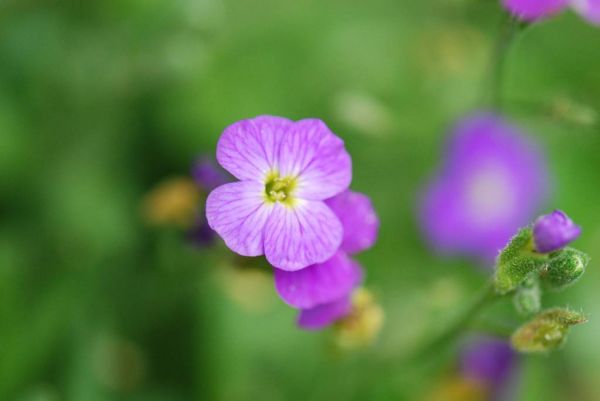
{"x":279,"y":189}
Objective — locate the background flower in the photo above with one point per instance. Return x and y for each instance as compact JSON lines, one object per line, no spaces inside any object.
{"x":491,"y":182}
{"x":492,"y":363}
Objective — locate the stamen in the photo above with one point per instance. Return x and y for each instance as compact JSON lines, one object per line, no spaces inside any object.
{"x":278,"y":189}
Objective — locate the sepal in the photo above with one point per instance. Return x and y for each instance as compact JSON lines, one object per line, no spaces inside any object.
{"x":517,"y":261}
{"x":547,"y":331}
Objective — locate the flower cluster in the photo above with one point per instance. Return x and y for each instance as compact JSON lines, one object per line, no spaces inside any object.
{"x":492,"y":181}
{"x":534,"y":10}
{"x":292,"y":204}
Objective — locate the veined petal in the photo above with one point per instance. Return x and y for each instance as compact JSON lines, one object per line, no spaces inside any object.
{"x":318,"y":284}
{"x":323,"y":315}
{"x":248,"y":148}
{"x":358,"y":218}
{"x":317,"y":157}
{"x":238,"y":213}
{"x":301,"y":235}
{"x":532,"y":10}
{"x":589,"y":9}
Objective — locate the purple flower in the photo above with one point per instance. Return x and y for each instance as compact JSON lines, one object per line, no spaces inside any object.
{"x":534,"y":10}
{"x":491,"y":362}
{"x":286,"y":171}
{"x":492,"y":182}
{"x":554,"y":231}
{"x":317,"y":289}
{"x":207,"y":175}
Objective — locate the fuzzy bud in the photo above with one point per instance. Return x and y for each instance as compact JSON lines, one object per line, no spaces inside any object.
{"x":517,"y":261}
{"x":564,"y":268}
{"x":547,"y":331}
{"x":554,"y":231}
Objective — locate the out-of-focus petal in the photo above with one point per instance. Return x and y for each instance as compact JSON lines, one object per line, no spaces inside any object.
{"x":533,"y":10}
{"x":491,"y":362}
{"x":207,"y":174}
{"x":301,"y":235}
{"x":323,"y":315}
{"x":589,"y":9}
{"x":359,"y":220}
{"x":238,"y":213}
{"x":318,"y":284}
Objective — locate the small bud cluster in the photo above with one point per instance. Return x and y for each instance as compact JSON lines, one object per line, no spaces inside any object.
{"x":537,"y":259}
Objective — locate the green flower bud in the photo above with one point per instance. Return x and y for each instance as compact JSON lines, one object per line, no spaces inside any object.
{"x":517,"y":261}
{"x":547,"y":331}
{"x":564,"y":268}
{"x":528,"y":297}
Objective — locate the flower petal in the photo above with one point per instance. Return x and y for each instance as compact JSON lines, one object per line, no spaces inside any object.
{"x":301,"y":235}
{"x":318,"y":158}
{"x":323,"y":315}
{"x":248,"y":148}
{"x":238,"y":213}
{"x":589,"y":9}
{"x":318,"y":284}
{"x":358,"y":218}
{"x":532,"y":10}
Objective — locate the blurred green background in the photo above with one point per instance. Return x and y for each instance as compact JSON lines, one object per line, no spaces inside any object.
{"x":102,"y":100}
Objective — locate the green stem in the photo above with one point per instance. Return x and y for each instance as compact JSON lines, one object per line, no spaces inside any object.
{"x":510,"y":28}
{"x":461,"y":322}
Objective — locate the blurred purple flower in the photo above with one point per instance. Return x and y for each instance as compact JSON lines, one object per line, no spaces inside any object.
{"x":534,"y":10}
{"x":554,"y":231}
{"x":286,"y":170}
{"x":208,"y":175}
{"x":201,"y":235}
{"x":492,"y":181}
{"x":531,"y":10}
{"x":491,"y":362}
{"x":318,"y":290}
{"x":589,"y":9}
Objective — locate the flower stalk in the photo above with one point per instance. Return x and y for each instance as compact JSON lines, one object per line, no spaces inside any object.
{"x":509,"y":31}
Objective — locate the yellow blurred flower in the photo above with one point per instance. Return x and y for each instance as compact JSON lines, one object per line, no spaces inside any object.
{"x":363,"y":324}
{"x":459,"y":389}
{"x":173,"y":202}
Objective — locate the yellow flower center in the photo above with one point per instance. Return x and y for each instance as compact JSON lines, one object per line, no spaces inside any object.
{"x":279,"y":189}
